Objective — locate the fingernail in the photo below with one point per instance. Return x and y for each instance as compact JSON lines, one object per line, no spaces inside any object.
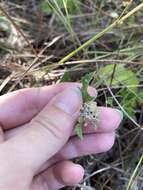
{"x":69,"y":100}
{"x":120,"y":113}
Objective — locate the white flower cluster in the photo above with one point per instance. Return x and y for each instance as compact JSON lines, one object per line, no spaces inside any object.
{"x":90,"y":113}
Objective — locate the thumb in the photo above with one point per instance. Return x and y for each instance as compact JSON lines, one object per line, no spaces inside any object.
{"x":47,"y":132}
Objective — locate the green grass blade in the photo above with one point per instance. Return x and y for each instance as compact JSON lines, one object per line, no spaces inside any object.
{"x":107,"y":29}
{"x":131,"y":180}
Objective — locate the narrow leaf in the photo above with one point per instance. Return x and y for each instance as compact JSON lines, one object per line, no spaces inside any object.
{"x":65,"y":77}
{"x":85,"y":83}
{"x":78,"y":131}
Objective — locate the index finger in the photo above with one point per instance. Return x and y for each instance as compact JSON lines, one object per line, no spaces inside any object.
{"x":19,"y":107}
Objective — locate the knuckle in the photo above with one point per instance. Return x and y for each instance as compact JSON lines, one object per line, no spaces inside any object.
{"x":30,"y":102}
{"x":52,"y":126}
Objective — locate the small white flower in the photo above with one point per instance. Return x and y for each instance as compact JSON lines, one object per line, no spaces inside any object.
{"x":90,"y":113}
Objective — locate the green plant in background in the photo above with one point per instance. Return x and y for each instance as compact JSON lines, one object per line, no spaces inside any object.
{"x":62,"y":9}
{"x":48,"y":6}
{"x":126,"y":78}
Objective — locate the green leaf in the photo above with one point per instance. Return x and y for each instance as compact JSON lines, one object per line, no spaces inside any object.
{"x":72,"y":6}
{"x":65,"y":77}
{"x":109,"y":101}
{"x":85,"y":83}
{"x":78,"y":131}
{"x":44,"y":6}
{"x":129,"y":104}
{"x":122,"y":76}
{"x":127,"y":78}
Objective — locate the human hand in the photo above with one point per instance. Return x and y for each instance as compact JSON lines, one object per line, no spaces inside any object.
{"x":37,"y":138}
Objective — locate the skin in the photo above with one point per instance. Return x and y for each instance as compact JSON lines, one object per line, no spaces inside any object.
{"x":37,"y":138}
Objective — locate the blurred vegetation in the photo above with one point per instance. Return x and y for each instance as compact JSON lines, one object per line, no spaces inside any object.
{"x":36,"y":35}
